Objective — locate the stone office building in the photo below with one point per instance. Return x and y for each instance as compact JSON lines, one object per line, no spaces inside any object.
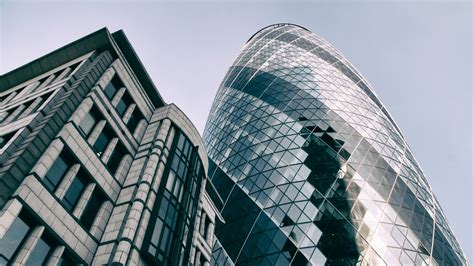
{"x":95,"y":168}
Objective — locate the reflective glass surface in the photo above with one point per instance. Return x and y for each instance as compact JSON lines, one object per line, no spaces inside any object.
{"x":74,"y":191}
{"x":312,"y":168}
{"x":103,"y":140}
{"x":114,"y":85}
{"x":58,"y":170}
{"x":40,"y":251}
{"x":134,"y":120}
{"x":12,"y":239}
{"x":123,"y":104}
{"x":168,"y":239}
{"x":92,"y":208}
{"x":89,"y":121}
{"x":114,"y":162}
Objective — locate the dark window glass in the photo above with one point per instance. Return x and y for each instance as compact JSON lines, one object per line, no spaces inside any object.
{"x":112,"y":87}
{"x":66,"y":259}
{"x":12,"y":239}
{"x":93,"y":206}
{"x":134,"y":120}
{"x":102,"y":141}
{"x":89,"y":121}
{"x":116,"y":158}
{"x":75,"y":191}
{"x":6,"y":138}
{"x":123,"y":104}
{"x":58,"y":170}
{"x":41,"y":250}
{"x":168,"y":238}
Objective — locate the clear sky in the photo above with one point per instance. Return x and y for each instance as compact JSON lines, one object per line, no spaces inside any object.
{"x":417,"y":56}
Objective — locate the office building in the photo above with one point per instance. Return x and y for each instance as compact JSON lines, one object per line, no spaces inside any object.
{"x":95,"y":168}
{"x":311,"y":167}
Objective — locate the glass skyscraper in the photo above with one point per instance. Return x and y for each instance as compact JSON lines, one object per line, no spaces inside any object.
{"x":311,"y":167}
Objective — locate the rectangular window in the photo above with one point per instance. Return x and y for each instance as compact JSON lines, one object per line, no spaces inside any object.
{"x":134,"y":120}
{"x":12,"y":240}
{"x":75,"y":190}
{"x":41,"y":250}
{"x":67,"y":259}
{"x":102,"y":141}
{"x":89,"y":121}
{"x":92,"y":208}
{"x":116,"y":157}
{"x":58,"y":170}
{"x":114,"y":85}
{"x":123,"y":104}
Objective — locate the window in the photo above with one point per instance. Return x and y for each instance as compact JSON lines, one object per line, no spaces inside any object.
{"x":13,"y":239}
{"x":66,"y":259}
{"x":134,"y":120}
{"x":123,"y":104}
{"x":58,"y":170}
{"x":41,"y":250}
{"x":6,"y":138}
{"x":114,"y":85}
{"x":116,"y":157}
{"x":92,"y":208}
{"x":102,"y":141}
{"x":89,"y":121}
{"x":74,"y":192}
{"x":174,"y":214}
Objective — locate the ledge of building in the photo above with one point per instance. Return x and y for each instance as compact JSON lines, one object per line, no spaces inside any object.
{"x":101,"y":40}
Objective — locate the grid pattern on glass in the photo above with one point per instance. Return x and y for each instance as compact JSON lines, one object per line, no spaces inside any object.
{"x":168,"y":238}
{"x":298,"y":134}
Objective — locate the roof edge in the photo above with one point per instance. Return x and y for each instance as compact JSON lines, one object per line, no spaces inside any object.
{"x":276,"y":25}
{"x":117,"y":43}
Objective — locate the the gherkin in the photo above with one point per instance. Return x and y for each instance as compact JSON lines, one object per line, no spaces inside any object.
{"x":311,"y":167}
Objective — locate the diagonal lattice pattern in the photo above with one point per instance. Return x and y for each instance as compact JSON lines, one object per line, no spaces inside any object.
{"x":312,"y":168}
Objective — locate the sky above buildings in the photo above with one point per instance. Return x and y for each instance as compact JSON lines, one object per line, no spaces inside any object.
{"x":416,"y":55}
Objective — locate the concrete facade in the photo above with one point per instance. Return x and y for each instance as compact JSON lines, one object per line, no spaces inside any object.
{"x":87,"y":151}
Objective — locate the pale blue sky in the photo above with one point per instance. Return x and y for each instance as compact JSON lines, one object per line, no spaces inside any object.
{"x":417,"y":56}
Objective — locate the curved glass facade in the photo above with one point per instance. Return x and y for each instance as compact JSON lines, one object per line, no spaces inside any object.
{"x":171,"y":225}
{"x":311,"y":167}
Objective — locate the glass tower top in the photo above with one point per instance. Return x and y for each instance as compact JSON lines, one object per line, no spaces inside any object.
{"x":311,"y":167}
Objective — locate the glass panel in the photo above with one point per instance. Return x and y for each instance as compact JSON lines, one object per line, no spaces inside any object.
{"x":74,"y":192}
{"x":134,"y":120}
{"x":102,"y":141}
{"x":89,"y":121}
{"x":112,"y":87}
{"x":93,"y":206}
{"x":57,"y":170}
{"x":39,"y":253}
{"x":123,"y":104}
{"x":116,"y":157}
{"x":6,"y":138}
{"x":12,"y":239}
